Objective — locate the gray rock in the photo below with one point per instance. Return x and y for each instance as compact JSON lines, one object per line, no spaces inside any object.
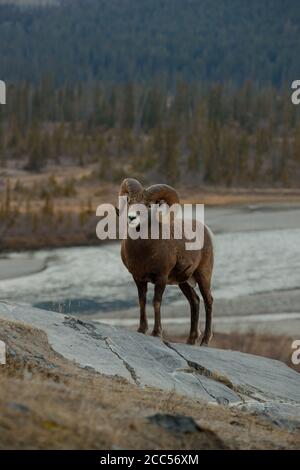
{"x":175,"y":423}
{"x":253,"y":383}
{"x":19,"y":407}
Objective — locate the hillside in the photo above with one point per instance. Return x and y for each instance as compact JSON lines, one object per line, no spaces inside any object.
{"x":82,"y":385}
{"x":115,"y":40}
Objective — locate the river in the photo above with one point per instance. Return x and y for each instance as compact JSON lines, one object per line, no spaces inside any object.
{"x":255,"y":261}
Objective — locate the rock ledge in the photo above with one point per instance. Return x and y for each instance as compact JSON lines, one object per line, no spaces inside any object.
{"x":252,"y":383}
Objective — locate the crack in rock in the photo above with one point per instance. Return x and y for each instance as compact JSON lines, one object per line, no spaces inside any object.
{"x":130,"y":369}
{"x":194,"y":367}
{"x":249,"y":392}
{"x":75,"y":323}
{"x":190,"y":370}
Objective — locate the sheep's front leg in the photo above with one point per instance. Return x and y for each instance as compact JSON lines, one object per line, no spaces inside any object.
{"x":142,"y":290}
{"x":159,"y":289}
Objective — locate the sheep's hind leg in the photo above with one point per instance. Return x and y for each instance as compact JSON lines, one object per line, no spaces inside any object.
{"x":204,"y":286}
{"x":194,"y":302}
{"x":159,"y":289}
{"x":142,"y":290}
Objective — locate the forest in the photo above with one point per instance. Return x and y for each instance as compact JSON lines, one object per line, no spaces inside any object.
{"x":198,"y":134}
{"x":193,"y":93}
{"x":140,"y":40}
{"x":194,"y":90}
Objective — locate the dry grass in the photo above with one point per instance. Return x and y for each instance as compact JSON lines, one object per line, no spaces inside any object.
{"x":49,"y":402}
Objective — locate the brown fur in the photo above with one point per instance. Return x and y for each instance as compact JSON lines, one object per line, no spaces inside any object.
{"x":163,"y":262}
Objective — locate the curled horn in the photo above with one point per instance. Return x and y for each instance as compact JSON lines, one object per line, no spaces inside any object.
{"x":164,"y":192}
{"x":130,"y":186}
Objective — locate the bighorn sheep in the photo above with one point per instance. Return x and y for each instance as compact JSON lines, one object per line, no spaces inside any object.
{"x":167,"y":261}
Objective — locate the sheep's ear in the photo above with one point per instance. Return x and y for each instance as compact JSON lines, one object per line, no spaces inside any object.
{"x":117,"y":211}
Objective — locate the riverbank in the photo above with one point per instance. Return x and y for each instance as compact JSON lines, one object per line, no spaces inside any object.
{"x":221,"y":217}
{"x":56,"y":208}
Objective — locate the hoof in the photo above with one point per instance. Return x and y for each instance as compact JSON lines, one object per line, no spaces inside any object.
{"x":157,"y":333}
{"x":142,"y":329}
{"x":206,"y":340}
{"x":192,"y":339}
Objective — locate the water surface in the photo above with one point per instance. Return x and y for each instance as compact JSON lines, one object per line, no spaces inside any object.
{"x":93,"y":279}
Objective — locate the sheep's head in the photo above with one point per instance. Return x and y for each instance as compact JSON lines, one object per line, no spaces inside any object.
{"x":158,"y":194}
